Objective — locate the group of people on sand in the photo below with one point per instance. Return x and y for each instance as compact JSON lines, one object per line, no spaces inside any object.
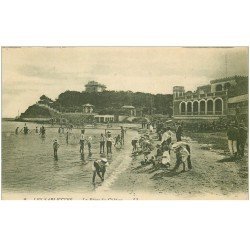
{"x":161,"y":157}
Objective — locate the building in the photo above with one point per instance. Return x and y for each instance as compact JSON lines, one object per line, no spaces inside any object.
{"x":93,"y":87}
{"x":208,"y":102}
{"x":88,"y":108}
{"x":129,"y":110}
{"x":104,"y":118}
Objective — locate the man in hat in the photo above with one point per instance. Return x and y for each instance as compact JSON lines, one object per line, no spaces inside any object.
{"x":232,"y":136}
{"x":99,"y":168}
{"x":109,"y":142}
{"x":241,"y":140}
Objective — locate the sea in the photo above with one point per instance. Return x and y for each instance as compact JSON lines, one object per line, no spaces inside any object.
{"x":29,"y":166}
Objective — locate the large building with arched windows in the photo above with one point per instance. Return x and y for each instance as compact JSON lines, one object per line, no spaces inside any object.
{"x":210,"y":102}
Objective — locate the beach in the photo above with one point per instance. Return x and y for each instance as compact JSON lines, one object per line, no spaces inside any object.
{"x":33,"y":173}
{"x":213,"y":176}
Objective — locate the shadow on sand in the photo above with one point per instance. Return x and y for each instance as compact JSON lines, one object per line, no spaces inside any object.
{"x":166,"y":173}
{"x":227,"y":159}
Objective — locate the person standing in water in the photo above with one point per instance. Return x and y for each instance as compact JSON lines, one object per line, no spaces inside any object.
{"x":122,"y":135}
{"x":118,"y":140}
{"x":42,"y":131}
{"x":99,"y":168}
{"x":67,"y":137}
{"x":36,"y":130}
{"x":102,"y":143}
{"x":109,"y":143}
{"x":25,"y":129}
{"x":89,"y":144}
{"x":16,"y":131}
{"x":56,"y":145}
{"x":82,"y":140}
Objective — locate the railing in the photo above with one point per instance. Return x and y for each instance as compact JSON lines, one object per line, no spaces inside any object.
{"x":196,"y":96}
{"x":231,"y":111}
{"x":220,"y":93}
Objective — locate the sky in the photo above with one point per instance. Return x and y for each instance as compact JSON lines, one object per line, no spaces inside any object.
{"x":29,"y":72}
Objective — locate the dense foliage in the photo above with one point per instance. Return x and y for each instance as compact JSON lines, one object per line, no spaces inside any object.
{"x":241,"y":88}
{"x":110,"y":102}
{"x":37,"y":112}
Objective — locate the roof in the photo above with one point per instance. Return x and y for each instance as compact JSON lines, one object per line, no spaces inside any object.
{"x":93,"y":83}
{"x":111,"y":116}
{"x":128,"y":107}
{"x":88,"y":105}
{"x":236,"y":99}
{"x":236,"y":77}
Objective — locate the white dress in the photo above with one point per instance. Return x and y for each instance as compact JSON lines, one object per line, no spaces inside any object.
{"x":165,"y":158}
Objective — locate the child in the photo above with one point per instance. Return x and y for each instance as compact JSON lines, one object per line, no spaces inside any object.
{"x":56,"y":145}
{"x":82,"y":139}
{"x":182,"y":150}
{"x":89,"y":144}
{"x":166,"y":156}
{"x":134,"y":145}
{"x":102,"y":143}
{"x":159,"y":153}
{"x":118,"y":140}
{"x":67,"y":137}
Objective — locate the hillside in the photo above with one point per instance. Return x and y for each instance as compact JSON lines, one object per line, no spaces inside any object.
{"x":107,"y":102}
{"x":112,"y":101}
{"x":35,"y":111}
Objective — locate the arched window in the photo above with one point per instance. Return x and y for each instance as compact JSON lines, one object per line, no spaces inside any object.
{"x":189,"y":108}
{"x":183,"y":108}
{"x":195,"y":108}
{"x":218,"y":87}
{"x":210,"y":105}
{"x":202,"y":107}
{"x":218,"y":106}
